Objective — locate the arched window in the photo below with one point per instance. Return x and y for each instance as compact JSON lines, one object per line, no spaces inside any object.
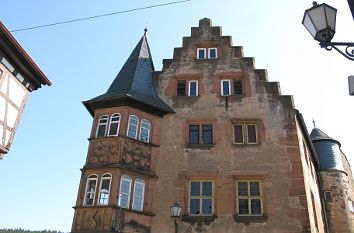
{"x":144,"y":130}
{"x":104,"y":190}
{"x":90,"y":190}
{"x":124,"y":191}
{"x":114,"y":125}
{"x":138,"y":196}
{"x":102,"y":126}
{"x":132,"y":126}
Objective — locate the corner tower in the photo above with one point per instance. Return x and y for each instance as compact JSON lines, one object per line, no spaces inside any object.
{"x":116,"y":186}
{"x":337,"y":182}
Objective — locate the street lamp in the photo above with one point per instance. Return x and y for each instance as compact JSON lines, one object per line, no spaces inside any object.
{"x":175,"y":212}
{"x":320,"y":21}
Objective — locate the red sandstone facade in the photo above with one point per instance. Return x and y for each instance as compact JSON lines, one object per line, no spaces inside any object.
{"x":234,"y":152}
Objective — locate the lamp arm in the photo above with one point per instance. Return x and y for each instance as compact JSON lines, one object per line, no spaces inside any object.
{"x":348,"y":52}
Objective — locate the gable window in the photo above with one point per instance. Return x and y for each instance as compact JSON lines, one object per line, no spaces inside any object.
{"x":102,"y":126}
{"x":212,"y":53}
{"x":144,"y":130}
{"x":104,"y":190}
{"x":201,"y":53}
{"x":132,"y":127}
{"x":201,"y":198}
{"x":249,"y":199}
{"x":181,"y":87}
{"x":193,"y":88}
{"x":138,"y":196}
{"x":238,"y":87}
{"x":114,"y":125}
{"x":90,"y":190}
{"x":225,"y":87}
{"x":124,"y":191}
{"x":245,"y":133}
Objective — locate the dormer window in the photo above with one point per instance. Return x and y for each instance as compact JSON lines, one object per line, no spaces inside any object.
{"x":225,"y":87}
{"x":201,"y":53}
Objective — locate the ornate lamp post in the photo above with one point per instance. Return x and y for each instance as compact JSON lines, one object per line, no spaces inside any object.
{"x":175,"y":212}
{"x":320,"y":21}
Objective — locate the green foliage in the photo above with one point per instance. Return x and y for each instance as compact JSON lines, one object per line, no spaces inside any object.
{"x":19,"y":230}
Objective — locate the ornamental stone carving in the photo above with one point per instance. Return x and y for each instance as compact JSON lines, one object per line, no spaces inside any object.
{"x":137,"y":155}
{"x":104,"y":150}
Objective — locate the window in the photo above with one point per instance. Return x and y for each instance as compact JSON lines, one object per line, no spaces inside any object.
{"x":104,"y":190}
{"x":181,"y":88}
{"x":193,"y":88}
{"x":90,"y":190}
{"x":132,"y":127}
{"x":144,"y":130}
{"x":207,"y":134}
{"x":102,"y":126}
{"x":124,"y":191}
{"x":328,"y":196}
{"x":351,"y":205}
{"x":249,"y":200}
{"x":201,"y":198}
{"x":201,"y":53}
{"x":138,"y":196}
{"x":225,"y":87}
{"x":114,"y":125}
{"x":245,"y":133}
{"x":238,"y":87}
{"x":212,"y":53}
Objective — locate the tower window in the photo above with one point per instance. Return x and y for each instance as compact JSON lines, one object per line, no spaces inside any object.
{"x":102,"y":126}
{"x":124,"y":191}
{"x":225,"y":87}
{"x":138,"y":196}
{"x":201,"y":53}
{"x":193,"y":88}
{"x":249,"y":199}
{"x":90,"y":190}
{"x":132,"y":127}
{"x":104,"y":190}
{"x":114,"y":125}
{"x":212,"y":53}
{"x":201,"y":198}
{"x":144,"y":130}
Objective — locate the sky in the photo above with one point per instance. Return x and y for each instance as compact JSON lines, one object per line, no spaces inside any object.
{"x":41,"y":173}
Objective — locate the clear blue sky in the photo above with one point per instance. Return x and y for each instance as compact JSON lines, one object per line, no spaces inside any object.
{"x":41,"y":174}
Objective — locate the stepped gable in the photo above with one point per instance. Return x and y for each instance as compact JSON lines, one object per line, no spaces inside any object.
{"x":134,"y":85}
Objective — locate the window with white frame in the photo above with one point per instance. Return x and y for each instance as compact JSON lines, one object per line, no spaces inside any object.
{"x":245,"y":133}
{"x":144,"y":130}
{"x":249,"y":198}
{"x":114,"y":125}
{"x":193,"y":88}
{"x":200,"y":198}
{"x":132,"y":130}
{"x":225,"y":87}
{"x":90,"y":190}
{"x":201,"y":53}
{"x":104,"y":189}
{"x":138,"y":195}
{"x":212,"y":53}
{"x":102,"y":126}
{"x":124,"y":191}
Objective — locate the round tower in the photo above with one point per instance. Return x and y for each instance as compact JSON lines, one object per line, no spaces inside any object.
{"x":337,"y":182}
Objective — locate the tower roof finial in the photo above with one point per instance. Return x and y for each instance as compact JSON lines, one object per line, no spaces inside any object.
{"x":314,"y":123}
{"x":145,"y":30}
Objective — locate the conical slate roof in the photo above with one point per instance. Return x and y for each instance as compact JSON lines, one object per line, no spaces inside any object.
{"x":134,"y":82}
{"x":317,"y":134}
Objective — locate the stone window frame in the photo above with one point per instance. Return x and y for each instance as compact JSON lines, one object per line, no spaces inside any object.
{"x":222,"y":81}
{"x":131,"y":193}
{"x":196,"y":87}
{"x":90,"y":194}
{"x":209,"y":53}
{"x":201,"y":197}
{"x":249,"y":197}
{"x":244,"y":124}
{"x":200,"y":133}
{"x":106,"y":176}
{"x":198,"y":53}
